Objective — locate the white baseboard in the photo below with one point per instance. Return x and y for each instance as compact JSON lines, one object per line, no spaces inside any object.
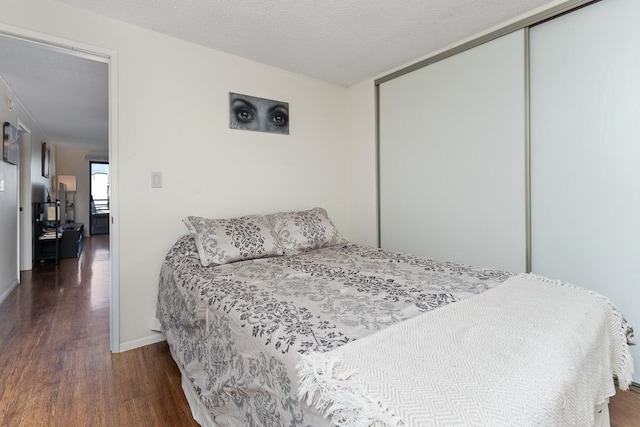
{"x":6,"y":293}
{"x":156,"y":337}
{"x":633,"y":386}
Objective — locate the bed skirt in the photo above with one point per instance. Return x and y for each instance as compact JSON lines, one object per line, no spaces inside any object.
{"x":601,"y":417}
{"x":200,"y":413}
{"x":202,"y":416}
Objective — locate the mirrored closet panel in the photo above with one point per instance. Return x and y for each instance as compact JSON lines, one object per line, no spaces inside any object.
{"x":523,"y":152}
{"x":585,"y":151}
{"x":451,"y":152}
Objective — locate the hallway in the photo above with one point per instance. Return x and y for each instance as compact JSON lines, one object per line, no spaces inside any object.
{"x":56,"y":368}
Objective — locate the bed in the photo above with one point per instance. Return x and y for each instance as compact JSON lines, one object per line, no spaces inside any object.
{"x":276,"y":320}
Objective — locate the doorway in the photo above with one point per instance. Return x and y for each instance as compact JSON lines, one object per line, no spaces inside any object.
{"x":21,"y":44}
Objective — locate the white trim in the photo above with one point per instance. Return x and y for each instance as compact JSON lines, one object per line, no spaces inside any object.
{"x":25,"y":230}
{"x":634,"y":386}
{"x":104,"y":158}
{"x":110,"y":57}
{"x":57,"y":44}
{"x":23,"y":126}
{"x":8,"y":291}
{"x":526,"y":20}
{"x":114,"y":206}
{"x":141,"y":342}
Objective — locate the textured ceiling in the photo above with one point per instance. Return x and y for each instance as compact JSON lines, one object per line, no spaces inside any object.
{"x":66,"y":95}
{"x":338,"y":41}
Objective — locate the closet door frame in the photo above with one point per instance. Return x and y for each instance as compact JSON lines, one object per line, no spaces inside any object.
{"x":585,"y":181}
{"x":452,"y":158}
{"x":523,"y":23}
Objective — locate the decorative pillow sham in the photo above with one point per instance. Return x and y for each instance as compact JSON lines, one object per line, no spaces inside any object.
{"x":221,"y":241}
{"x":304,"y":230}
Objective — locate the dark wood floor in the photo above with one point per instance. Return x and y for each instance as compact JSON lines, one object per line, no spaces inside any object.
{"x":624,"y":409}
{"x":55,"y":364}
{"x":56,"y":368}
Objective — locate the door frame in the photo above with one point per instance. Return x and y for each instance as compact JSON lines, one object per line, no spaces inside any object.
{"x":25,"y":245}
{"x":110,"y":57}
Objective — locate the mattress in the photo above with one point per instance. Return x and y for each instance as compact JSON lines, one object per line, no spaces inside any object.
{"x":238,"y":330}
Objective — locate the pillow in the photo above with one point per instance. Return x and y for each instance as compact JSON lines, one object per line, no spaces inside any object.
{"x":304,"y":230}
{"x":221,"y":241}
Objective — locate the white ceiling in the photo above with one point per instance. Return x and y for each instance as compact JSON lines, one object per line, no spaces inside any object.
{"x":66,"y":95}
{"x":338,"y":41}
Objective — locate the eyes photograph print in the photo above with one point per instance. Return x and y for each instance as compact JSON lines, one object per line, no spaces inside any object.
{"x":258,"y":114}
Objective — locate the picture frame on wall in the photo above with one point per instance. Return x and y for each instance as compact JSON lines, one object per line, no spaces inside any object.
{"x":11,"y":148}
{"x":258,"y":114}
{"x":46,"y":159}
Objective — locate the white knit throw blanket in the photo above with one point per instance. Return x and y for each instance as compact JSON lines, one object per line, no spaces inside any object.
{"x":529,"y":352}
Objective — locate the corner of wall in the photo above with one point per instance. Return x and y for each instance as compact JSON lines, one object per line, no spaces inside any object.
{"x":361,"y":133}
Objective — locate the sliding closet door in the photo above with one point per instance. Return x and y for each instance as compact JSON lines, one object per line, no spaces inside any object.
{"x":451,"y":157}
{"x":585,"y":151}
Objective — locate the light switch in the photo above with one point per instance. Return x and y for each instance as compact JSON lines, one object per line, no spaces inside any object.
{"x":1,"y":184}
{"x":156,"y":179}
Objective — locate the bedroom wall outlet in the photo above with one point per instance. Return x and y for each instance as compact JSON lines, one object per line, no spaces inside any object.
{"x":156,"y":179}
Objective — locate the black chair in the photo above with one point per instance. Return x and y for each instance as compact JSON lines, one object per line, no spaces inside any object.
{"x":99,"y":216}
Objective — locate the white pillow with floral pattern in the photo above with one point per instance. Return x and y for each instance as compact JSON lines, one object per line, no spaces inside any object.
{"x":221,"y":241}
{"x":305,"y":230}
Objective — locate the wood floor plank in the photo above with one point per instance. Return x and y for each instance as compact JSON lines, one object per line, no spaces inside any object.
{"x":56,"y":368}
{"x":55,"y":365}
{"x":624,"y":409}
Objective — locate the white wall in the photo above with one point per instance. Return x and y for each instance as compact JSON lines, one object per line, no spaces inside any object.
{"x":362,"y":141}
{"x":173,"y":118}
{"x":8,"y":209}
{"x":9,"y":197}
{"x":72,"y":161}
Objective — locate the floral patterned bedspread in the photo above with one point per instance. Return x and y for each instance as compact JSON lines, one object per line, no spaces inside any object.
{"x":237,"y":330}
